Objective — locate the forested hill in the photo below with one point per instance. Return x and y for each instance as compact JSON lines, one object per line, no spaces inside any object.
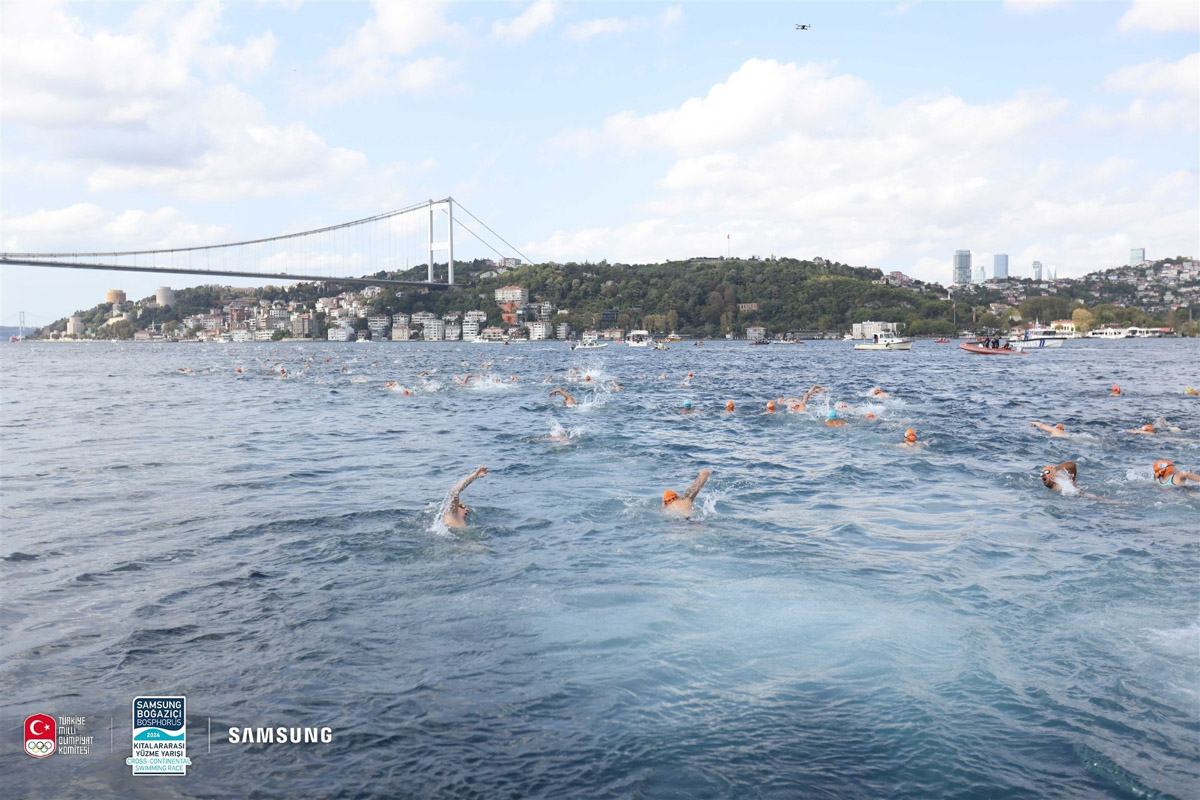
{"x":701,"y":296}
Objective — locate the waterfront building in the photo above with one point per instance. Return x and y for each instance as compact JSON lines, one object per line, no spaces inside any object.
{"x":434,"y":330}
{"x":512,"y":294}
{"x":1137,"y":256}
{"x":453,"y":332}
{"x":400,"y":319}
{"x":756,"y":332}
{"x":563,"y":331}
{"x":540,"y":330}
{"x":75,"y":326}
{"x":962,"y":267}
{"x":492,"y":334}
{"x":470,"y":330}
{"x":379,"y":324}
{"x":478,"y":317}
{"x":869,"y":329}
{"x":340,"y":333}
{"x":401,"y":333}
{"x":1000,"y":266}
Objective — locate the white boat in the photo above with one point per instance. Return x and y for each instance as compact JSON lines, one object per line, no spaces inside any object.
{"x":639,"y":339}
{"x":1042,"y":332}
{"x":886,"y":341}
{"x":661,"y":346}
{"x":1110,"y":333}
{"x":1035,"y":344}
{"x":589,"y":346}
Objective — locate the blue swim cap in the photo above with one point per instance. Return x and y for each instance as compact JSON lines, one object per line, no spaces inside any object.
{"x":831,"y":415}
{"x":687,"y":403}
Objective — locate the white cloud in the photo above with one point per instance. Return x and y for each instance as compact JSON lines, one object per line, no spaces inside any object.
{"x":582,"y":31}
{"x":756,"y":102}
{"x":59,"y":73}
{"x":801,"y":160}
{"x":246,"y":156}
{"x":1159,"y":77}
{"x":90,"y":226}
{"x":1161,"y":15}
{"x":537,"y":16}
{"x":1147,"y":115}
{"x":588,"y":29}
{"x":397,"y":29}
{"x":1031,"y":6}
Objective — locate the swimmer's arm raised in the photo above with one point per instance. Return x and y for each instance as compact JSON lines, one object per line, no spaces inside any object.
{"x":457,"y":489}
{"x":698,"y":484}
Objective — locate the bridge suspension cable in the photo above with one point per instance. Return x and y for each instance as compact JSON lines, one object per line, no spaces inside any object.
{"x":373,"y":246}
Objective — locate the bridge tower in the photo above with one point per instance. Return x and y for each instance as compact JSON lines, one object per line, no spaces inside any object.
{"x":446,"y":205}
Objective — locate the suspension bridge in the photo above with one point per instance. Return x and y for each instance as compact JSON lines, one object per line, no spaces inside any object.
{"x":369,"y":250}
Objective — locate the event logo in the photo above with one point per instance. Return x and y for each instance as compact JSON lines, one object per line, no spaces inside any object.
{"x":159,"y":736}
{"x":40,"y":736}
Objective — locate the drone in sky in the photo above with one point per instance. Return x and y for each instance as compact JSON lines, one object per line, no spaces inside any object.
{"x":800,"y":27}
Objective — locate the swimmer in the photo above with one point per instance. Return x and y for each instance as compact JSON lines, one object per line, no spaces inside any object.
{"x":686,"y":381}
{"x":1145,"y":430}
{"x":1116,"y":391}
{"x":456,"y":512}
{"x":831,"y":419}
{"x":616,"y":387}
{"x":910,"y":438}
{"x":238,"y":370}
{"x":1165,"y":474}
{"x":877,"y":392}
{"x":513,"y":379}
{"x":770,"y":407}
{"x":681,"y":505}
{"x":869,"y":417}
{"x":547,"y":380}
{"x":570,"y":401}
{"x":1191,"y":392}
{"x":803,"y":404}
{"x":687,"y":407}
{"x":1054,"y":478}
{"x":729,"y":407}
{"x":465,"y":379}
{"x":1055,"y":430}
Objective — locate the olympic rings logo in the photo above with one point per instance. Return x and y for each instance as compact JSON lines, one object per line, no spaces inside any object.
{"x":40,"y":746}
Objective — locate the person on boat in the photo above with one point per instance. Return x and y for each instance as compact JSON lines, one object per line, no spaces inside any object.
{"x":831,"y":419}
{"x":910,"y":438}
{"x":1145,"y":430}
{"x":570,"y":401}
{"x":681,"y":505}
{"x":455,"y":515}
{"x":1053,"y":430}
{"x":1165,"y":474}
{"x":1065,"y":475}
{"x":1116,"y":391}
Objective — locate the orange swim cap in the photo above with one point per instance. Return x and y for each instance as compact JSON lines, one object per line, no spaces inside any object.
{"x":729,"y":406}
{"x":910,"y":435}
{"x":1148,"y":428}
{"x":1060,"y":427}
{"x":1116,"y":389}
{"x":669,"y":496}
{"x":1163,"y":468}
{"x":870,"y":415}
{"x":689,"y":374}
{"x":770,"y":405}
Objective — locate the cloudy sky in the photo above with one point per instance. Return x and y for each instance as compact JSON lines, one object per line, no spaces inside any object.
{"x":887,"y":135}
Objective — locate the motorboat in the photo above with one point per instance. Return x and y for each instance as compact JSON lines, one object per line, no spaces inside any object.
{"x":673,"y":337}
{"x":760,"y":341}
{"x":978,"y":349}
{"x":1110,"y":333}
{"x":1036,"y":344}
{"x":589,"y":345}
{"x":886,"y":341}
{"x":639,"y":339}
{"x":941,"y":341}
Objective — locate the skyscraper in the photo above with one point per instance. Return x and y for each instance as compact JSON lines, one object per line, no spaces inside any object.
{"x":1000,"y":265}
{"x":979,"y":273}
{"x":1137,"y":256}
{"x":1037,"y":270}
{"x":962,"y":267}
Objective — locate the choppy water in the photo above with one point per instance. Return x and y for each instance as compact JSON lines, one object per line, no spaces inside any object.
{"x":843,"y":617}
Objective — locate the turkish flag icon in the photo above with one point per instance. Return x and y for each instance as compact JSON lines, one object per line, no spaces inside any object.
{"x":41,"y":736}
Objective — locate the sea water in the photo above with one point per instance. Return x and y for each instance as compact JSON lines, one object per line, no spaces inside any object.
{"x":842,"y":616}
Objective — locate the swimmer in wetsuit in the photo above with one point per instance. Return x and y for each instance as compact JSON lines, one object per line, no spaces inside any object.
{"x":456,"y":513}
{"x":1165,"y":474}
{"x":681,"y":505}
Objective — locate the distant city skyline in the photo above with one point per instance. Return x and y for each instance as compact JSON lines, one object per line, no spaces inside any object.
{"x":633,"y":133}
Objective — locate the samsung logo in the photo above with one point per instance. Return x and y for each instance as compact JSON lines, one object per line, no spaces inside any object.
{"x":280,"y":735}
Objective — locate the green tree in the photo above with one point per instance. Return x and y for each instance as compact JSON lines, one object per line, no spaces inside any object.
{"x":1083,"y":320}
